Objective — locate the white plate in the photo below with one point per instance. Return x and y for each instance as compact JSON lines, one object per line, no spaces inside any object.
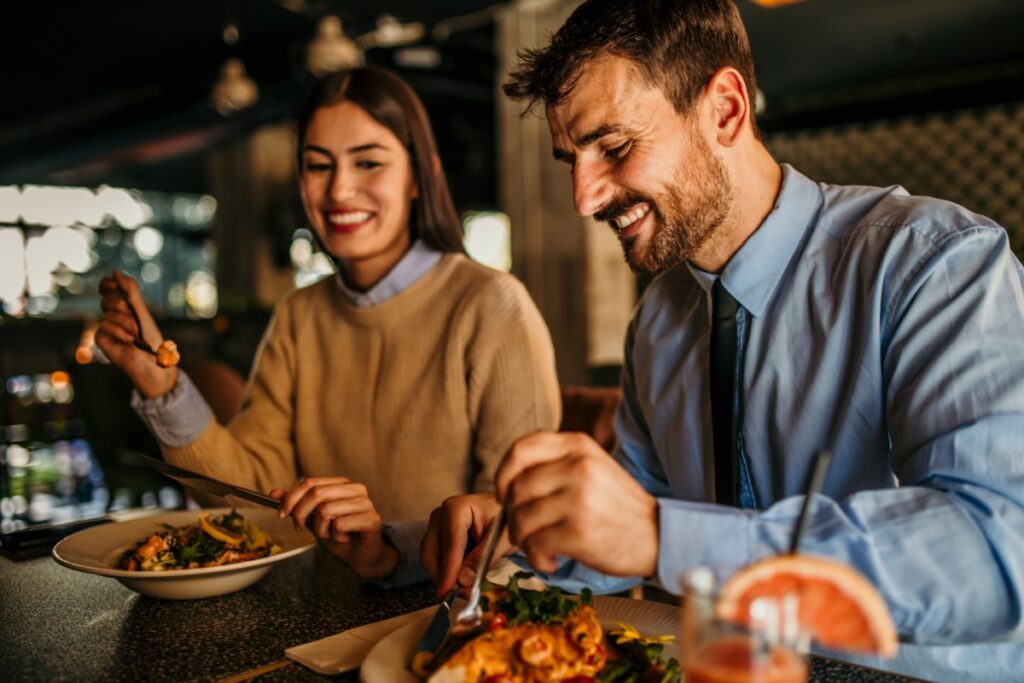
{"x":97,"y":550}
{"x":389,"y":659}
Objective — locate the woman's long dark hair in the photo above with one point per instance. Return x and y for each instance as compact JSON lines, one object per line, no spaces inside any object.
{"x":394,"y":105}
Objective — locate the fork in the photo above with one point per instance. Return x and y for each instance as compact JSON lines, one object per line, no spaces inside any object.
{"x":469,"y":622}
{"x":138,"y":341}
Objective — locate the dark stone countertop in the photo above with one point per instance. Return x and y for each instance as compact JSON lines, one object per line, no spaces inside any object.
{"x":57,"y":624}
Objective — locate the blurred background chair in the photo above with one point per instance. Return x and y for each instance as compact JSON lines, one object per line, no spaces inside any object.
{"x":591,"y":410}
{"x":220,"y":384}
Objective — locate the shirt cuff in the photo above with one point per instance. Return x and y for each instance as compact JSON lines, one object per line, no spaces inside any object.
{"x":406,"y":538}
{"x":178,"y":417}
{"x":700,"y":534}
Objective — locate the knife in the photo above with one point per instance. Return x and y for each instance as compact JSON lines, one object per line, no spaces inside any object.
{"x":206,"y":484}
{"x":216,"y":487}
{"x":435,"y":631}
{"x":433,"y":636}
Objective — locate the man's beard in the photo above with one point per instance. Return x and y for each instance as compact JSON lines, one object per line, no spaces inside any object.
{"x":685,"y":216}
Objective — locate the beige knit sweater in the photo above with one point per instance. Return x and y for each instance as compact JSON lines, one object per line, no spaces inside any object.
{"x":418,"y":397}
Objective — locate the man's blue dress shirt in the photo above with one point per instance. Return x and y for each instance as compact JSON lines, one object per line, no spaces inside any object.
{"x":890,"y":330}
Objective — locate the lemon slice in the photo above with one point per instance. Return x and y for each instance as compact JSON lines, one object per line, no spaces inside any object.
{"x":258,"y":538}
{"x":217,"y":531}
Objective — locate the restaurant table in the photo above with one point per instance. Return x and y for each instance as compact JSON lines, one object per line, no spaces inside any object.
{"x":58,"y":624}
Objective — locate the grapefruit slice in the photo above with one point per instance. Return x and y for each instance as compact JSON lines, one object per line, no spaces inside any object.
{"x":837,"y":606}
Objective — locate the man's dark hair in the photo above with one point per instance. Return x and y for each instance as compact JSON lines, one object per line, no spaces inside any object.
{"x":677,"y":46}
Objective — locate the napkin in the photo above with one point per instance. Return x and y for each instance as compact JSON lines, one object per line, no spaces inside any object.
{"x":346,"y":651}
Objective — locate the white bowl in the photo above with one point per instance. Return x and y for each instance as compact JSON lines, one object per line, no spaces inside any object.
{"x":97,"y":550}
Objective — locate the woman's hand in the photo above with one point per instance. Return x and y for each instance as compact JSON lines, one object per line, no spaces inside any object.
{"x":345,"y":520}
{"x":117,"y":331}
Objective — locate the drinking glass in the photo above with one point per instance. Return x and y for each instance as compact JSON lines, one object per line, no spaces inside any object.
{"x":764,"y":645}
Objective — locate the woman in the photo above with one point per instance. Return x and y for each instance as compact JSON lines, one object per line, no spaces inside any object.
{"x":395,"y":385}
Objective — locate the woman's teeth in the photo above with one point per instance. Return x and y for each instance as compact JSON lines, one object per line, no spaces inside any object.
{"x":349,"y":217}
{"x":632,"y":216}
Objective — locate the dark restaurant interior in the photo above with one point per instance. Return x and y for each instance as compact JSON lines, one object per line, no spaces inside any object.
{"x":117,"y":153}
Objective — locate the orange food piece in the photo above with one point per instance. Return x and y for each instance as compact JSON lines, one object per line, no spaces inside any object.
{"x":151,"y":547}
{"x":167,"y":354}
{"x":840,"y":608}
{"x":530,"y":653}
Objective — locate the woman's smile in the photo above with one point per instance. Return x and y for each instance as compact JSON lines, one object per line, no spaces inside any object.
{"x":347,"y":221}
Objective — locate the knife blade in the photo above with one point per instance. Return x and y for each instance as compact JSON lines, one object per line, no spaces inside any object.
{"x":209,"y":485}
{"x":438,"y":624}
{"x":435,"y":631}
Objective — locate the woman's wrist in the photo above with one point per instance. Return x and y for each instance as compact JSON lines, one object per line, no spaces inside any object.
{"x":158,"y":384}
{"x":383,"y":563}
{"x":386,"y":563}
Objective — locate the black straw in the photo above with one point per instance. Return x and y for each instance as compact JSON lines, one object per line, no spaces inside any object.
{"x":817,"y":478}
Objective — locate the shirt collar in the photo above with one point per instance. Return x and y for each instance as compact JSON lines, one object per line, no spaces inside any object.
{"x":754,"y":271}
{"x":411,"y":267}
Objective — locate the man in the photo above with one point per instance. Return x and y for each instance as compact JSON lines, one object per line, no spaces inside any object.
{"x":883,"y":327}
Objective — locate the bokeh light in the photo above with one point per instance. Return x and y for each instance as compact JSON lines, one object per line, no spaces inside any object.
{"x":201,"y":294}
{"x":148,"y":242}
{"x":488,"y":236}
{"x":126,"y":207}
{"x":12,"y":264}
{"x":10,"y":204}
{"x":309,"y":264}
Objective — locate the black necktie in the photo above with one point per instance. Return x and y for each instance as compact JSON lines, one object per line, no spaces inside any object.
{"x":723,"y":375}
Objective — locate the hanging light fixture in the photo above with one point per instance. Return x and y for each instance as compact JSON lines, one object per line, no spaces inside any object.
{"x":234,"y":89}
{"x":390,"y":32}
{"x":331,"y":50}
{"x":775,"y":3}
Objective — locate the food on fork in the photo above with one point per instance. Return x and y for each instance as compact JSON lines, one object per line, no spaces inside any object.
{"x":211,"y":542}
{"x":167,"y":355}
{"x":837,"y":606}
{"x":548,"y":637}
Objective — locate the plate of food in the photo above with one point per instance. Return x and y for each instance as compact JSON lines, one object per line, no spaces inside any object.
{"x":188,"y":554}
{"x":542,"y":636}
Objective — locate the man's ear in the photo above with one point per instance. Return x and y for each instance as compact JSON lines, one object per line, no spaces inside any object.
{"x":730,"y":105}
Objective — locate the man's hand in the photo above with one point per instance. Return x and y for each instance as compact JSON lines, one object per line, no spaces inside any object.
{"x":566,"y":496}
{"x":459,"y":520}
{"x":346,"y":522}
